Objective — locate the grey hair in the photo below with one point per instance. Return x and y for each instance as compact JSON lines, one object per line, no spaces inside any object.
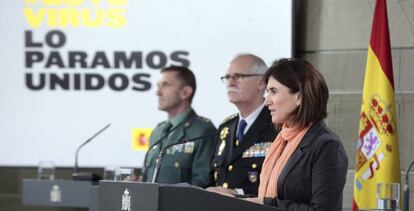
{"x":258,"y":66}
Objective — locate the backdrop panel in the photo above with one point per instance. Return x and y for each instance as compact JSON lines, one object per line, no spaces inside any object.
{"x":68,"y":68}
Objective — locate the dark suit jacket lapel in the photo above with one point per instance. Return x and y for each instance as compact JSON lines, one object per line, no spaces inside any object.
{"x":252,"y":134}
{"x":230,"y":140}
{"x":299,"y":152}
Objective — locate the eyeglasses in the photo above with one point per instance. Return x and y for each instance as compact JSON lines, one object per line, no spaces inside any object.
{"x":237,"y":77}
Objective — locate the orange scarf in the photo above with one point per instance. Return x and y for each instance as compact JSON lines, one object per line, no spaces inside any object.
{"x":276,"y":158}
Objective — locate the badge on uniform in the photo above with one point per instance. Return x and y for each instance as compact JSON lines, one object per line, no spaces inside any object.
{"x":189,"y":147}
{"x":187,"y":124}
{"x":257,"y":150}
{"x":253,"y":176}
{"x":215,"y":175}
{"x":224,"y":133}
{"x":221,"y":147}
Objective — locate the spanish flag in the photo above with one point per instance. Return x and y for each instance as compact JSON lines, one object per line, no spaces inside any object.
{"x":140,"y":138}
{"x":378,"y":157}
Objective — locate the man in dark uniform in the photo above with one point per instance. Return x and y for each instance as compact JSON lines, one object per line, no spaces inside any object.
{"x":244,"y":136}
{"x":189,"y":162}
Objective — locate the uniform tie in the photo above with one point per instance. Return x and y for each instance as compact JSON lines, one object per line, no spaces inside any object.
{"x":167,"y":128}
{"x":240,"y":130}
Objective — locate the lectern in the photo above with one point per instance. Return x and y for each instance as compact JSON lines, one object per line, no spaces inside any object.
{"x":60,"y":193}
{"x":133,"y":196}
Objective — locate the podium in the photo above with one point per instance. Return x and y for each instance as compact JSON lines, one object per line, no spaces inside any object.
{"x":133,"y":196}
{"x":60,"y":193}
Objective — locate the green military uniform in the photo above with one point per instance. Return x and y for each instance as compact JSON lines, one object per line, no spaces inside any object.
{"x":188,"y":162}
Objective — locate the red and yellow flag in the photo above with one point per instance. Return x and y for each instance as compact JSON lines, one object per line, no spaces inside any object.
{"x":378,"y":157}
{"x":140,"y":138}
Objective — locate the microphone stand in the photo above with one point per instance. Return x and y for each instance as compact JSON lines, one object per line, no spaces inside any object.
{"x":86,"y":176}
{"x":164,"y":150}
{"x":158,"y":142}
{"x":144,"y":169}
{"x":407,"y":188}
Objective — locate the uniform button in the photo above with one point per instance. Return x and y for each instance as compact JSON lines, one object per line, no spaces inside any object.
{"x":237,"y":142}
{"x":215,"y":176}
{"x":215,"y":165}
{"x":254,"y":165}
{"x":225,"y":185}
{"x":177,"y":164}
{"x":230,"y":167}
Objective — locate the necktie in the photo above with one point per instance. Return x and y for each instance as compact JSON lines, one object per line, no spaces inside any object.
{"x":165,"y":131}
{"x":240,"y":130}
{"x":167,"y":128}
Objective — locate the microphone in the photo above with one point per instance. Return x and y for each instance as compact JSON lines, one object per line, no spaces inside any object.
{"x":144,"y":169}
{"x":85,"y":176}
{"x":407,"y":189}
{"x":163,"y":151}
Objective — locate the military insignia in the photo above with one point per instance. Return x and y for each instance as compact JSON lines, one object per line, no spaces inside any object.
{"x":161,"y":123}
{"x":221,"y":147}
{"x":254,"y":165}
{"x":189,"y":147}
{"x":204,"y":119}
{"x":257,"y":150}
{"x":187,"y":124}
{"x":126,"y":201}
{"x":253,"y":176}
{"x":230,"y":118}
{"x":179,"y":148}
{"x":225,"y":185}
{"x":224,"y":133}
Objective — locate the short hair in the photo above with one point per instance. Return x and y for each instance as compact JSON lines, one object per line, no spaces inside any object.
{"x":258,"y":66}
{"x":301,"y":76}
{"x":185,"y":75}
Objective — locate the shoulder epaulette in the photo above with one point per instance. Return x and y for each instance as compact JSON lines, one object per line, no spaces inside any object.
{"x":160,"y":123}
{"x":204,"y":119}
{"x":230,"y":118}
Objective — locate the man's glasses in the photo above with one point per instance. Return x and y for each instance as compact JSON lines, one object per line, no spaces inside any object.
{"x":237,"y":77}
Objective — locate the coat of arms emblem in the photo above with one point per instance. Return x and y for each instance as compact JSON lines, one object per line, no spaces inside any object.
{"x":55,"y":194}
{"x":126,"y":201}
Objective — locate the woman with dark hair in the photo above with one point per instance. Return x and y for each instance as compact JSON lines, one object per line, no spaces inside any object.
{"x":305,"y":167}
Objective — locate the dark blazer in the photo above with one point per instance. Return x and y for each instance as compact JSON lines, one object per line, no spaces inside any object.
{"x":314,"y":177}
{"x":240,"y":166}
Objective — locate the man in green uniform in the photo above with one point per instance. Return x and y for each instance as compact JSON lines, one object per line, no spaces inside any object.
{"x":189,"y":162}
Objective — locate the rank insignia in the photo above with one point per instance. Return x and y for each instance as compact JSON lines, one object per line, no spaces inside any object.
{"x":221,"y":147}
{"x":253,"y":176}
{"x":223,"y":133}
